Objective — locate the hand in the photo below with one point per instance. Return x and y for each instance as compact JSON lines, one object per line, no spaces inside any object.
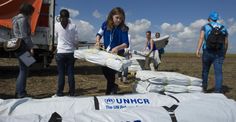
{"x":198,"y":53}
{"x":224,"y":53}
{"x":130,"y":55}
{"x":97,"y":45}
{"x":32,"y":51}
{"x":147,"y":55}
{"x":114,"y":50}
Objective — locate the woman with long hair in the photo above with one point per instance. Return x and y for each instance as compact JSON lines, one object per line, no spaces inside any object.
{"x":115,"y":34}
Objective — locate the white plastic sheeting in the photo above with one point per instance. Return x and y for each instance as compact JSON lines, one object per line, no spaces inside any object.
{"x":191,"y":107}
{"x":103,"y":58}
{"x":62,"y":105}
{"x":161,"y":42}
{"x":153,"y":81}
{"x":135,"y":66}
{"x":168,"y":78}
{"x":210,"y":109}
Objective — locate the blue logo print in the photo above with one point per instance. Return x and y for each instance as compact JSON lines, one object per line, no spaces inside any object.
{"x":109,"y":101}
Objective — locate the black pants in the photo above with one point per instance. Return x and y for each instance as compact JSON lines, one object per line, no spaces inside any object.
{"x":110,"y":76}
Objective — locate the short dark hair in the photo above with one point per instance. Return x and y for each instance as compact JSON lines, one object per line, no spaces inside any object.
{"x":26,"y":9}
{"x":64,"y":13}
{"x":148,"y":32}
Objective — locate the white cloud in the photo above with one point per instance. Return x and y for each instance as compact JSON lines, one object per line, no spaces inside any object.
{"x":73,"y":12}
{"x":231,"y":20}
{"x":137,"y":42}
{"x":183,"y":38}
{"x":166,"y":27}
{"x":137,"y":31}
{"x":97,"y":14}
{"x":198,"y":24}
{"x":232,"y":29}
{"x":139,"y":26}
{"x":86,"y":31}
{"x":187,"y":33}
{"x":231,"y":26}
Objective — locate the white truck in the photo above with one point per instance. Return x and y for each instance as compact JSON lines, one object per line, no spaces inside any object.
{"x":42,"y":27}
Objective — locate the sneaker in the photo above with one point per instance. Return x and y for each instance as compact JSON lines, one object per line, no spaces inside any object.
{"x":125,"y":80}
{"x":219,"y":91}
{"x":204,"y":88}
{"x":71,"y":94}
{"x":113,"y":91}
{"x":18,"y":96}
{"x":120,"y":79}
{"x":55,"y":95}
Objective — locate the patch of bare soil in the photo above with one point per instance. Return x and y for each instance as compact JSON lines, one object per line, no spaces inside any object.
{"x":90,"y":81}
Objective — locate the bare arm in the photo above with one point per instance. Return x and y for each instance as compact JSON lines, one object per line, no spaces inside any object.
{"x":119,"y":47}
{"x":151,"y":47}
{"x":97,"y":43}
{"x":146,"y":43}
{"x":200,"y":41}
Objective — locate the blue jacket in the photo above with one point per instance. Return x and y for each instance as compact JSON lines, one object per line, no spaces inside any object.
{"x":113,"y":37}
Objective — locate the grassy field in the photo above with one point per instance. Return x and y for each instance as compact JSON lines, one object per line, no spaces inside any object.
{"x":90,"y":80}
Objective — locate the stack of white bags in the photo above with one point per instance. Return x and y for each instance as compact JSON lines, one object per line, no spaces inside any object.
{"x":153,"y":81}
{"x":103,"y":58}
{"x":150,"y":107}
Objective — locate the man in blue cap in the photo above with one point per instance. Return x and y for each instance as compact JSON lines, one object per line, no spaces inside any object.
{"x":214,"y":42}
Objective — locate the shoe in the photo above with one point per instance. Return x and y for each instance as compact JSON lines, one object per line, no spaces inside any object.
{"x":55,"y":95}
{"x":125,"y":81}
{"x":120,"y":79}
{"x":204,"y":89}
{"x":112,"y":91}
{"x":71,"y":94}
{"x":18,"y":96}
{"x":219,"y":91}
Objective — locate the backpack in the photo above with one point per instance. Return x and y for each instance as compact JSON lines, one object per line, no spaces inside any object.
{"x":216,"y":38}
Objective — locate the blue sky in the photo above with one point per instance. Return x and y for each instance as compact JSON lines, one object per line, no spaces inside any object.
{"x":181,"y":19}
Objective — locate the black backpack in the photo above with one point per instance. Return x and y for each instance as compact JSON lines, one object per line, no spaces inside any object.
{"x":216,"y":38}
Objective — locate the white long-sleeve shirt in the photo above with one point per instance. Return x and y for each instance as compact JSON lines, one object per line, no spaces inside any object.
{"x":67,"y":39}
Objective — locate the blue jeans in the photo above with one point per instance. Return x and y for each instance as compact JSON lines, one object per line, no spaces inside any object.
{"x":21,"y":79}
{"x":65,"y":62}
{"x":217,"y":59}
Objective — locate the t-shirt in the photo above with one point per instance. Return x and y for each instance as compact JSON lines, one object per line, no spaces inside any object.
{"x":67,"y":39}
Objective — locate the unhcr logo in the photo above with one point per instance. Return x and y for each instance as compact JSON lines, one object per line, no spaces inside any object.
{"x":127,"y":101}
{"x":109,"y":101}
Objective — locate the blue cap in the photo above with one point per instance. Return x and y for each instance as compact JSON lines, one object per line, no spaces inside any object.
{"x":214,"y":16}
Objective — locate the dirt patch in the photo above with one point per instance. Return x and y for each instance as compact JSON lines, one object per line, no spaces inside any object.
{"x":90,"y":81}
